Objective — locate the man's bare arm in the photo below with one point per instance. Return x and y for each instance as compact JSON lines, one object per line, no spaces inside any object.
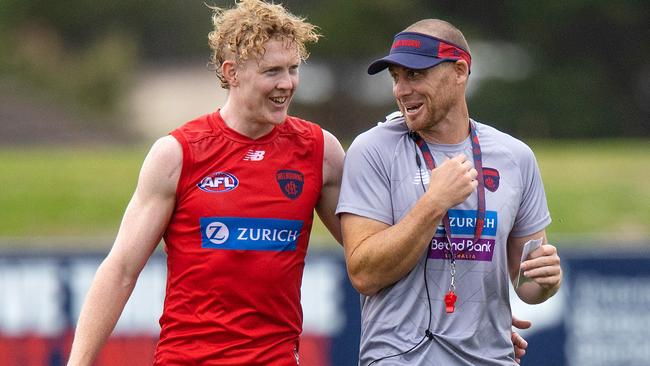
{"x":143,"y":224}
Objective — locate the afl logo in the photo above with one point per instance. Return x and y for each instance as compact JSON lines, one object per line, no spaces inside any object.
{"x":218,"y":182}
{"x":217,"y":232}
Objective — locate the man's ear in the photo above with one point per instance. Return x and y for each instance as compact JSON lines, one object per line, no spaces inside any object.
{"x":462,"y":71}
{"x":229,"y":72}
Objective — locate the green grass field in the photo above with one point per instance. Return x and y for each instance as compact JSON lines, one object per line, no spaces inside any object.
{"x":65,"y":192}
{"x":595,"y":189}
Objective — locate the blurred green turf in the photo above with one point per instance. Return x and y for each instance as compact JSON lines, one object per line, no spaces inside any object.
{"x":65,"y":192}
{"x":594,"y":189}
{"x":597,"y":189}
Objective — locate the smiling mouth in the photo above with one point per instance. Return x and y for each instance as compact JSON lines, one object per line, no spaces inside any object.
{"x":279,"y":100}
{"x":413,"y":108}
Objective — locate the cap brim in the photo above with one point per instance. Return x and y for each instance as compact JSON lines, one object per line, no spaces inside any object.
{"x":408,"y":60}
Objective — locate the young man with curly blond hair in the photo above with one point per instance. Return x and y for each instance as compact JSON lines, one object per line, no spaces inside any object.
{"x":232,"y":194}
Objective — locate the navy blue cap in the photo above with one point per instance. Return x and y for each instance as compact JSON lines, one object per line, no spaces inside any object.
{"x":419,"y":51}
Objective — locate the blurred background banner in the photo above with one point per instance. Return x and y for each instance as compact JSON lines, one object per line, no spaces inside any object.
{"x":599,"y":318}
{"x":87,"y":87}
{"x":42,"y":295}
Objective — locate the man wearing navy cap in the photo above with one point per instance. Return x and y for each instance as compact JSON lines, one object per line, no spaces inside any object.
{"x":436,"y":209}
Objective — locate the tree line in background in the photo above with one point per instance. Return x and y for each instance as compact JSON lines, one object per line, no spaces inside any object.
{"x":590,"y":75}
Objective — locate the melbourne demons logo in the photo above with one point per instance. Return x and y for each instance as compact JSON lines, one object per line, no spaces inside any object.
{"x":290,"y":182}
{"x":491,"y":179}
{"x":218,"y":182}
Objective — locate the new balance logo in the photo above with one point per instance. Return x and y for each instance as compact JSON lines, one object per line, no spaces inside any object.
{"x":253,"y":155}
{"x":421,"y":177}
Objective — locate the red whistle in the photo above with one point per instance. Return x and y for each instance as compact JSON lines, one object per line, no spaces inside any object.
{"x":450,"y":301}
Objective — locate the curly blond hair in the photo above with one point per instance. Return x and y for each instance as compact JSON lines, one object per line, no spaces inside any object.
{"x":242,"y":31}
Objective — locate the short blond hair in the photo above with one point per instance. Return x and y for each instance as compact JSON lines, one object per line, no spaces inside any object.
{"x":242,"y":31}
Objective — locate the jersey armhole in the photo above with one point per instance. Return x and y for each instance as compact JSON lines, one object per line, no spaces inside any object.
{"x":319,"y":155}
{"x":183,"y":182}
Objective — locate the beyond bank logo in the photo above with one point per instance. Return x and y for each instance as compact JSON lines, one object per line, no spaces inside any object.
{"x":243,"y":233}
{"x":462,"y":224}
{"x":218,"y":182}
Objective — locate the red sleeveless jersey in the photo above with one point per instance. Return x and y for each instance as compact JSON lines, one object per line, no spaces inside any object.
{"x":236,"y":244}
